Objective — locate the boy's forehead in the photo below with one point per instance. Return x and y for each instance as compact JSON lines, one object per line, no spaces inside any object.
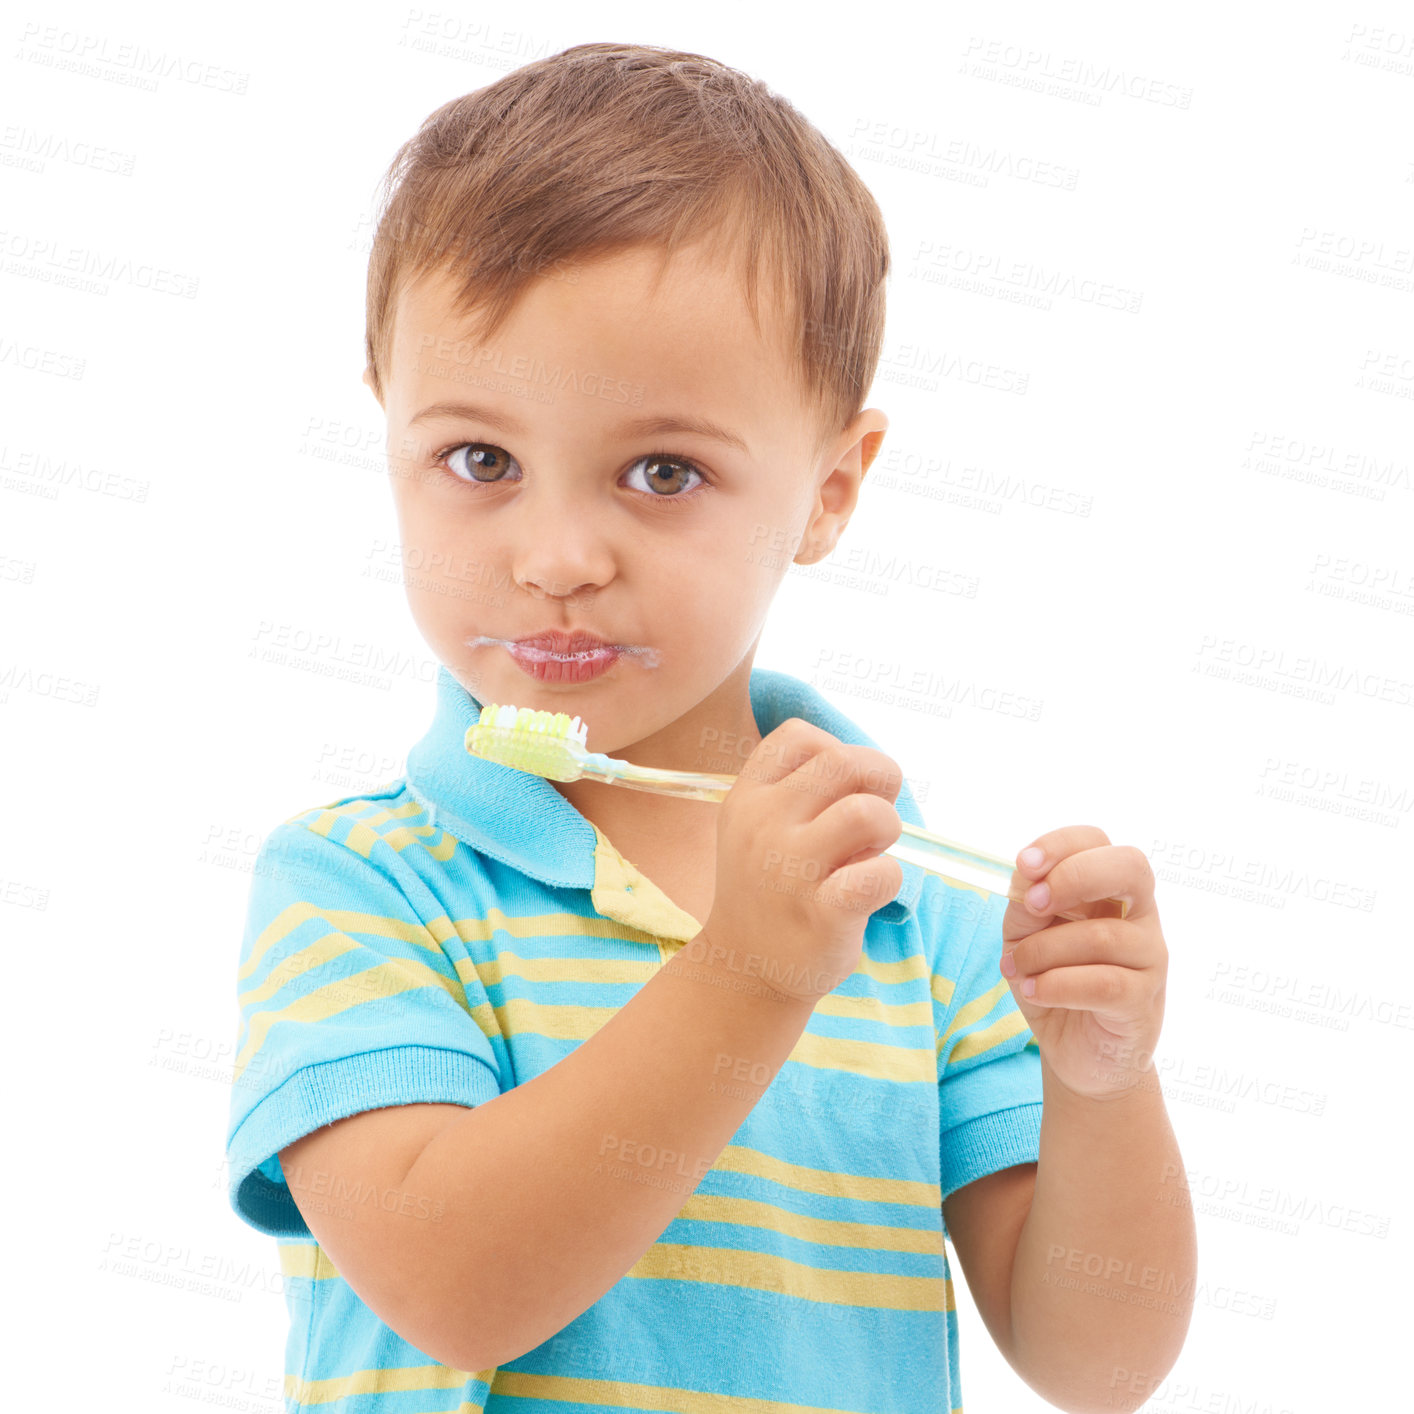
{"x":683,"y":323}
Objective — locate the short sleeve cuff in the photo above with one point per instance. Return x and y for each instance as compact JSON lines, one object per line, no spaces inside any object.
{"x":991,"y":1142}
{"x":317,"y":1095}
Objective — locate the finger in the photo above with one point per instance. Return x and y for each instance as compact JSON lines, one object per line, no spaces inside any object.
{"x":837,"y":769}
{"x":819,"y":768}
{"x":854,"y":828}
{"x":866,"y":885}
{"x":1056,"y":846}
{"x":1080,"y":880}
{"x":1109,"y":992}
{"x":1033,"y":864}
{"x":780,"y":752}
{"x":1094,"y":940}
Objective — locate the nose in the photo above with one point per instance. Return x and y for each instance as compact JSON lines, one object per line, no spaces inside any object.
{"x":561,"y":555}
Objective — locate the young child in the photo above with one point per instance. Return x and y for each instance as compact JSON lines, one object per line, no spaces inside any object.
{"x":600,"y":1098}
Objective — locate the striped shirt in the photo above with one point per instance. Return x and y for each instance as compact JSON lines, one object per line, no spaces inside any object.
{"x":461,"y":929}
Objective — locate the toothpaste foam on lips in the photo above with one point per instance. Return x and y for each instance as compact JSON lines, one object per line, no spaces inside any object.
{"x":649,"y":656}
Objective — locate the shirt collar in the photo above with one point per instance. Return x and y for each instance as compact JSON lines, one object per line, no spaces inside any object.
{"x":523,"y":821}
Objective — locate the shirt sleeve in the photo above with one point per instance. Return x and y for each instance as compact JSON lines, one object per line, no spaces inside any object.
{"x":989,"y":1064}
{"x":348,"y":1002}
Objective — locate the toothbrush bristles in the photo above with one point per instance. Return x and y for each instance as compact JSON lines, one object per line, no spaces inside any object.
{"x":549,"y":744}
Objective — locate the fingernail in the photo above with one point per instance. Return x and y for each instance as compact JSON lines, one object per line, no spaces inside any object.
{"x":1008,"y":965}
{"x":1038,"y":896}
{"x":1028,"y":987}
{"x":1032,"y":857}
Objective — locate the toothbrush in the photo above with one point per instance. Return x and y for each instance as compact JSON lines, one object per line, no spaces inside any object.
{"x":553,"y":745}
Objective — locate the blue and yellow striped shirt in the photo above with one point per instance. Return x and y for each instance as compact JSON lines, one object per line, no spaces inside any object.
{"x":459,"y":930}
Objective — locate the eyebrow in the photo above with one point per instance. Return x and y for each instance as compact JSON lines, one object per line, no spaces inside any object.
{"x":659,"y":425}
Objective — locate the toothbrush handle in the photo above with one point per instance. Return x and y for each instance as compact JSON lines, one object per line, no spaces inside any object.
{"x":657,"y":780}
{"x":970,"y":868}
{"x":975,"y":870}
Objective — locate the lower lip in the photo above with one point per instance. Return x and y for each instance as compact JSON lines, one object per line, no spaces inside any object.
{"x":544,"y":666}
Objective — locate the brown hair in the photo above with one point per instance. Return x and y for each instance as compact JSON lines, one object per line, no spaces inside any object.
{"x":603,"y":147}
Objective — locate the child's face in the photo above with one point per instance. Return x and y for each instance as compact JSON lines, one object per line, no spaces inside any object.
{"x":550,"y":510}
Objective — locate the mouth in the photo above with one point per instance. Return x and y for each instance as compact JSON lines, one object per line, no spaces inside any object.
{"x":564,"y":646}
{"x":557,"y":657}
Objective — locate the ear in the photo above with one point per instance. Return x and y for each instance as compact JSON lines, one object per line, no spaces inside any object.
{"x":839,"y":490}
{"x":368,"y":383}
{"x":869,"y":445}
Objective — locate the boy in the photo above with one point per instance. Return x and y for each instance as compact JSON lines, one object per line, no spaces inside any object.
{"x":597,"y":1097}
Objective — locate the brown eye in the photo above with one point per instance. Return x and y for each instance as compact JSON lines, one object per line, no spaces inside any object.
{"x":479,"y":461}
{"x":664,"y":476}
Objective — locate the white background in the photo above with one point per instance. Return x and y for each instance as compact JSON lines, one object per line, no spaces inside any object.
{"x":1187,"y":546}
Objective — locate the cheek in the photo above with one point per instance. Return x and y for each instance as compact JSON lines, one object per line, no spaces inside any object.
{"x":438,"y":541}
{"x":772,"y":529}
{"x":721,"y":598}
{"x":446,"y":575}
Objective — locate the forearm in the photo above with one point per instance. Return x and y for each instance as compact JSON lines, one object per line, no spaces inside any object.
{"x":1103,"y":1279}
{"x":554,"y":1189}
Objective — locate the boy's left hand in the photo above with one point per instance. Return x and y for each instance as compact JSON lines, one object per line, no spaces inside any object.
{"x":1098,"y":1001}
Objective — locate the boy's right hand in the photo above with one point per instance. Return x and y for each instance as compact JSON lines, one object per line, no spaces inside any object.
{"x":800,"y":862}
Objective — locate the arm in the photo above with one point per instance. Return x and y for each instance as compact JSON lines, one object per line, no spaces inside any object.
{"x":984,"y":1221}
{"x":540,"y":1210}
{"x":1083,"y":1267}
